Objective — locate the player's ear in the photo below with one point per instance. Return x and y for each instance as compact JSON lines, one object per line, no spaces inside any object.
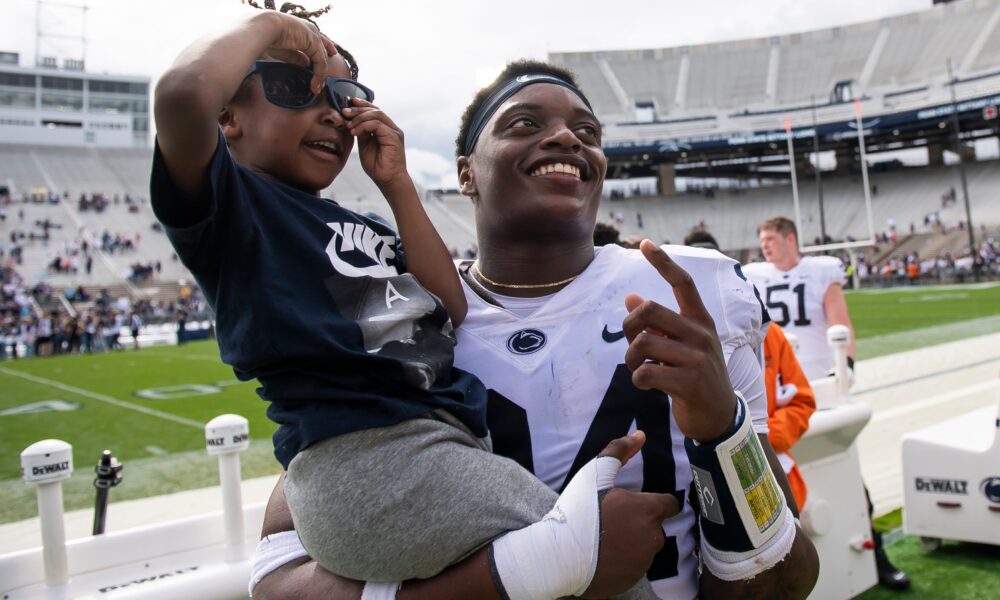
{"x":231,"y":123}
{"x":466,"y":178}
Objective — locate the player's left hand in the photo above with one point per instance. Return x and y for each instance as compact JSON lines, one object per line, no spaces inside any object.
{"x":680,"y":353}
{"x":380,"y":143}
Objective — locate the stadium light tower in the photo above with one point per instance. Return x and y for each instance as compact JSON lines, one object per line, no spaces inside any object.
{"x":957,"y":131}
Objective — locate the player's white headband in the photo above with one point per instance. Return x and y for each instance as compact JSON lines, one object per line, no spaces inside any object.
{"x":505,"y":91}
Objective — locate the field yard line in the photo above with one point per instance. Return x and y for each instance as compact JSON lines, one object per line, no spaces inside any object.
{"x":103,"y":398}
{"x":893,"y":413}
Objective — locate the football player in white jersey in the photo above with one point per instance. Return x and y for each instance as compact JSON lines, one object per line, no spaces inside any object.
{"x":804,"y":294}
{"x":579,"y":346}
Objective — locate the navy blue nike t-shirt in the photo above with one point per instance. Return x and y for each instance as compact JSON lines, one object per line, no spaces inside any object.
{"x":314,"y":302}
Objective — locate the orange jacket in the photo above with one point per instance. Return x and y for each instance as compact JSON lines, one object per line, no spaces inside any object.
{"x":787,"y":423}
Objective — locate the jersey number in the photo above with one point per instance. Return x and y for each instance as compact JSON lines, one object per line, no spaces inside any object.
{"x":622,"y":405}
{"x":779,"y":310}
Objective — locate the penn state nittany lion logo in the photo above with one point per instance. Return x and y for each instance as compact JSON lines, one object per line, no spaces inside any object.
{"x":526,"y":341}
{"x":991,"y":489}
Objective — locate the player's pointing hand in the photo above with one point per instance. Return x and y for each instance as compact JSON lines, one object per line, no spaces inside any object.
{"x":679,"y":353}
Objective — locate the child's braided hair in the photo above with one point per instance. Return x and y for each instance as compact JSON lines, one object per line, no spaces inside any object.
{"x":297,"y":10}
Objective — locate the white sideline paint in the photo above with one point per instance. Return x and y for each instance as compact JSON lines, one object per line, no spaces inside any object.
{"x":102,"y":398}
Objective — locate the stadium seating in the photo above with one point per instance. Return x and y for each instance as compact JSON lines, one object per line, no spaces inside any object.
{"x":892,"y":61}
{"x":906,"y":196}
{"x":17,"y":164}
{"x":603,"y":98}
{"x":811,"y":62}
{"x":919,"y":46}
{"x":114,"y":172}
{"x":711,"y":89}
{"x":728,"y":77}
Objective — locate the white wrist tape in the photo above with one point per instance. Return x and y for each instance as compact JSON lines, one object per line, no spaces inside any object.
{"x":380,"y":591}
{"x":557,"y":556}
{"x":736,"y":566}
{"x":273,"y":552}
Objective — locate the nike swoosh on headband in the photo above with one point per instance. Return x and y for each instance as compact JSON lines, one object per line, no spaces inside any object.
{"x":502,"y":93}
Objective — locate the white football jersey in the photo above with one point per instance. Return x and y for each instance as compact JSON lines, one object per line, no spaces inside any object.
{"x":794,"y":298}
{"x":559,"y":390}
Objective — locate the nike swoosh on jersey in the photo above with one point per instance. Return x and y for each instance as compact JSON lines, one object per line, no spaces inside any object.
{"x":612,"y":337}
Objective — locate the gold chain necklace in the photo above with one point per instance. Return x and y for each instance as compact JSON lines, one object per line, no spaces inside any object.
{"x":519,"y":286}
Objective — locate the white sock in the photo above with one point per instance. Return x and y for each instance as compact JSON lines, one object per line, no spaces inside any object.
{"x":274,"y":551}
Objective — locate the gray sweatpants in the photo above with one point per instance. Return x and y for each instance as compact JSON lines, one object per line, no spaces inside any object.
{"x":406,"y":501}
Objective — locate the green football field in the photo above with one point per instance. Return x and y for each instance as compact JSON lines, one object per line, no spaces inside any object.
{"x":149,"y":406}
{"x":892,"y":320}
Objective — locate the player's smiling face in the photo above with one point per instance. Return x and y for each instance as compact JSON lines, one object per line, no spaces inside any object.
{"x":538,"y":159}
{"x":305,"y":147}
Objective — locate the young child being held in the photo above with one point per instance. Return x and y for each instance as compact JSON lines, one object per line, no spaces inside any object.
{"x":384,"y":442}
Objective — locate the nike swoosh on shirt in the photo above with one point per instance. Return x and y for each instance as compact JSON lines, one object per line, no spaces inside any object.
{"x":612,"y":337}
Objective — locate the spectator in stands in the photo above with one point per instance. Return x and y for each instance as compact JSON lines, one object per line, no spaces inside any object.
{"x":948,"y":198}
{"x":74,"y":332}
{"x":104,"y":298}
{"x":27,"y":334}
{"x":112,"y":329}
{"x":135,"y":324}
{"x":43,"y":339}
{"x":913,"y":269}
{"x":89,"y":334}
{"x":8,"y":338}
{"x":181,"y":328}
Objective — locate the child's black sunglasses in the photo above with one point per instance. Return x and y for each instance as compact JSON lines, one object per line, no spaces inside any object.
{"x":290,"y":86}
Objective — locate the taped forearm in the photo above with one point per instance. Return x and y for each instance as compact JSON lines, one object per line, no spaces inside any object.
{"x":746,"y":525}
{"x":557,"y":556}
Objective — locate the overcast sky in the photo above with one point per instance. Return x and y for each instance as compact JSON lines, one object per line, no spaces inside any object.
{"x":425,"y":58}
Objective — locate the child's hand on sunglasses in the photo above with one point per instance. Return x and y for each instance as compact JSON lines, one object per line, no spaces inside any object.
{"x":380,"y":144}
{"x":301,"y":43}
